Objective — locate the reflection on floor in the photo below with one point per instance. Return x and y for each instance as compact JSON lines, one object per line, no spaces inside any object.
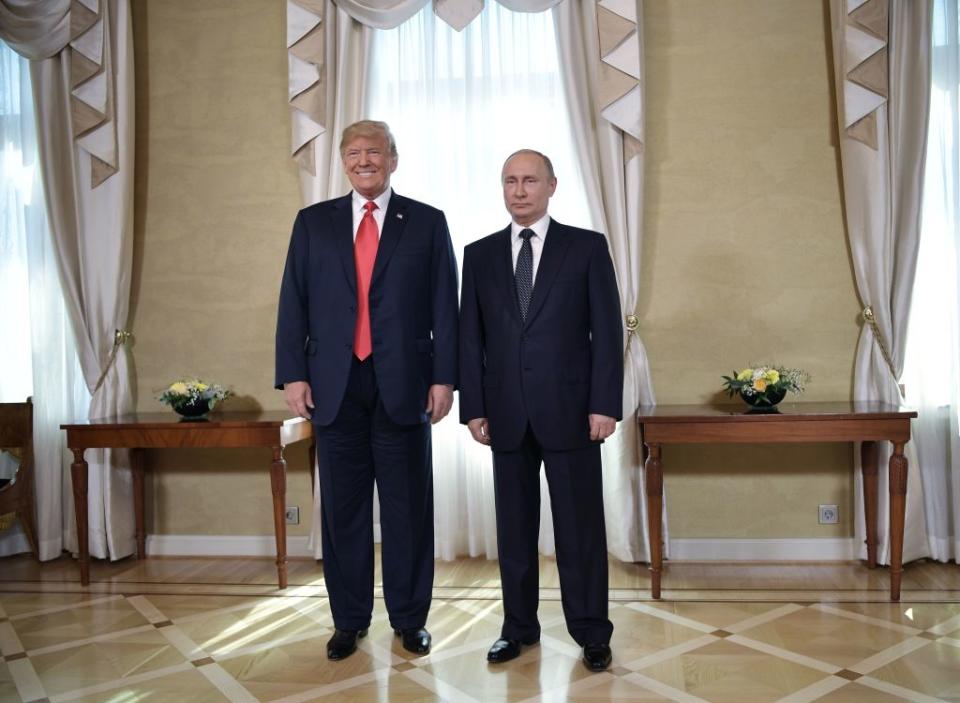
{"x":198,"y":630}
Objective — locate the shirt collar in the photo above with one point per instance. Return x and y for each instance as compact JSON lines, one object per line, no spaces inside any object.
{"x":381,"y":200}
{"x":539,"y":228}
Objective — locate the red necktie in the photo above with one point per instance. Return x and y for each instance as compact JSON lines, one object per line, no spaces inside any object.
{"x":364,"y":254}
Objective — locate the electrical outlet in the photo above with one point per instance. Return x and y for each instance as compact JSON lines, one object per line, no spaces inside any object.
{"x":829,"y":515}
{"x":292,"y":515}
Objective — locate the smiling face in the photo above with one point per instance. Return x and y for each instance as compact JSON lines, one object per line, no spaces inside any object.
{"x":527,"y":187}
{"x":368,"y":163}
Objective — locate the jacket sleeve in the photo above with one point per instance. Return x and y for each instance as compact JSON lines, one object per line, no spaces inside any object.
{"x":444,"y":301}
{"x":606,"y":333}
{"x":471,"y":346}
{"x":293,"y":310}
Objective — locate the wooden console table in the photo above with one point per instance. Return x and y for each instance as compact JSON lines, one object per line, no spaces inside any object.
{"x":795,"y":422}
{"x":274,"y":430}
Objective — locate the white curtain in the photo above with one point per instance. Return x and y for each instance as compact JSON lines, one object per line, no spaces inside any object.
{"x":459,"y":103}
{"x":602,"y":67}
{"x":932,"y":367}
{"x":39,"y":356}
{"x":881,"y":51}
{"x":82,"y":83}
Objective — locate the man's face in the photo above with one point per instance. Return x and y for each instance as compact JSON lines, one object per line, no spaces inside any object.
{"x":527,"y":188}
{"x":368,"y":164}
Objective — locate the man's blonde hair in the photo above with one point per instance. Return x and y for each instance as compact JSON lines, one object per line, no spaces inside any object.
{"x":372,"y":129}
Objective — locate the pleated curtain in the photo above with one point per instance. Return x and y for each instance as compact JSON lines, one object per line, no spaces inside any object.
{"x":328,"y":48}
{"x":81,"y":55}
{"x":881,"y":54}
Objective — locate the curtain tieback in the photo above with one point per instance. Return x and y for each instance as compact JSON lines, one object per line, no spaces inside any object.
{"x":632,"y":323}
{"x":871,"y":320}
{"x":120,"y":337}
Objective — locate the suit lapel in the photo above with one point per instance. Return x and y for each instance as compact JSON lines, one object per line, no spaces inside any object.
{"x":343,"y":235}
{"x":551,"y":259}
{"x":503,"y":272}
{"x":394,"y":223}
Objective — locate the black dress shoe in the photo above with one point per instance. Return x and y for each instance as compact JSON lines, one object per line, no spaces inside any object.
{"x":415,"y":640}
{"x":505,"y":649}
{"x":343,"y":643}
{"x":596,"y":657}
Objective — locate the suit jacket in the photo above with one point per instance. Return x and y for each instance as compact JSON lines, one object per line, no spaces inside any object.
{"x":563,"y":363}
{"x":413,"y":307}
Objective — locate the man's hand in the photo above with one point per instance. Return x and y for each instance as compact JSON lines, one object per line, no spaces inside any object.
{"x":480,"y":429}
{"x":439,"y":401}
{"x":601,"y":426}
{"x":298,"y":397}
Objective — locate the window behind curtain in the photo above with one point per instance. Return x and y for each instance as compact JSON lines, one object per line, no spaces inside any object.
{"x":17,"y":196}
{"x":459,"y":103}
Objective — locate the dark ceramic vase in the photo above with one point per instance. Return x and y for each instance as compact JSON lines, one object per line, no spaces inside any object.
{"x":194,"y":410}
{"x":764,"y":401}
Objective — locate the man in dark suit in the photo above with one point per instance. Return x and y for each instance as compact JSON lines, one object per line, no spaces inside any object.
{"x":366,"y":346}
{"x":541,"y":380}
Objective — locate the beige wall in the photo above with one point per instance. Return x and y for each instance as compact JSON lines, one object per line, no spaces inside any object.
{"x":216,"y":194}
{"x":744,"y":258}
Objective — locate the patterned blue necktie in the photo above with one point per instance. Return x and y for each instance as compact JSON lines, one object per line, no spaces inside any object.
{"x":523,"y":276}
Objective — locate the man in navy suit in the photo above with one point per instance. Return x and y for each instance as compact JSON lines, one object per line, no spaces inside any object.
{"x":541,"y":380}
{"x":367,"y":346}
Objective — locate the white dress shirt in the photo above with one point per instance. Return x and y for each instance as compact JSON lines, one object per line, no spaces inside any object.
{"x":536,"y":241}
{"x":379,"y":214}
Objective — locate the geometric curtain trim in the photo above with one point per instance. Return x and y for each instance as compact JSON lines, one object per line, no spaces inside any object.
{"x":619,"y":93}
{"x":91,"y":87}
{"x":307,"y":90}
{"x":866,"y":84}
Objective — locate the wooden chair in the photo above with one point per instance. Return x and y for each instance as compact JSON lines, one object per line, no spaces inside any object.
{"x":16,"y":433}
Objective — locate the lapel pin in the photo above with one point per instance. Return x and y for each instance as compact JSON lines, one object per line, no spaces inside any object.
{"x":399,"y":215}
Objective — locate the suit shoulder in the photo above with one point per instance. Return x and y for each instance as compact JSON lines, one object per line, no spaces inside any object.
{"x":579,"y":233}
{"x":317,"y":209}
{"x":482,"y":245}
{"x":410,"y":203}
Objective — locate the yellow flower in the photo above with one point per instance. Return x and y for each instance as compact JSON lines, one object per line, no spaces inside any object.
{"x":180,"y":388}
{"x":745,"y":375}
{"x":201,"y":386}
{"x":759,"y":385}
{"x":772,"y":376}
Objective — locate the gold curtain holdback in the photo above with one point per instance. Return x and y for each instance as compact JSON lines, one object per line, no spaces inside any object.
{"x":871,"y":320}
{"x":632,"y":323}
{"x":120,"y":337}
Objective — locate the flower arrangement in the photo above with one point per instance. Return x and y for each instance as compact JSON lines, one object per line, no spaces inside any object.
{"x":765,"y":386}
{"x":193,"y":397}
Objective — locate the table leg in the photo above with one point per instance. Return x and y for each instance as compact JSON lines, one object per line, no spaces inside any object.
{"x":654,"y":484}
{"x":136,"y":463}
{"x":312,"y":458}
{"x":78,"y":472}
{"x":869,"y":463}
{"x":898,"y":506}
{"x":278,"y":483}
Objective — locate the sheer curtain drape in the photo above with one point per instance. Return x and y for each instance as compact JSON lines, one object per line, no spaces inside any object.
{"x":609,"y":142}
{"x":932,"y":366}
{"x":881,"y":53}
{"x":81,"y":70}
{"x":459,"y":103}
{"x":38,"y":356}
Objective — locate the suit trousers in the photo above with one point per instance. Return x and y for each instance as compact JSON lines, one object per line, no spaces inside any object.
{"x":576,"y":497}
{"x":360,"y":448}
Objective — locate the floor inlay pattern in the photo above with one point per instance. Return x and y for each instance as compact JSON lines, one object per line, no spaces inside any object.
{"x":85,"y":647}
{"x":139,"y":634}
